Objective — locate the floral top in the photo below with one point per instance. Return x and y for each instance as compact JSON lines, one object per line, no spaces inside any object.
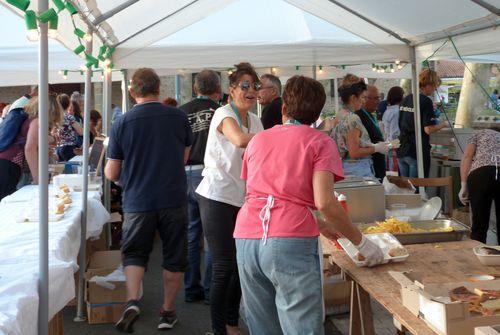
{"x":68,"y":134}
{"x":487,"y":142}
{"x":348,"y":121}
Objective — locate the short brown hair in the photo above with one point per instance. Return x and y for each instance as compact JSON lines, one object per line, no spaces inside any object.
{"x":64,"y":101}
{"x":145,"y":82}
{"x":303,"y":99}
{"x":168,"y":101}
{"x":395,"y":95}
{"x":428,"y":77}
{"x":242,"y":69}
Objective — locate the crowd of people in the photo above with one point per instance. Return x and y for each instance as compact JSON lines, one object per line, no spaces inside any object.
{"x":255,"y":193}
{"x":19,"y":136}
{"x":213,"y":171}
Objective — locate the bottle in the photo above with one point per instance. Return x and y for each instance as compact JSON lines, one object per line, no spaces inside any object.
{"x":343,"y":202}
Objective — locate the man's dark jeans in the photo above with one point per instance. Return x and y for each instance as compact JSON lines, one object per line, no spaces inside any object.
{"x":192,"y":279}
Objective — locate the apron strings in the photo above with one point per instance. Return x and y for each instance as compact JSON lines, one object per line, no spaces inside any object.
{"x":265,"y":216}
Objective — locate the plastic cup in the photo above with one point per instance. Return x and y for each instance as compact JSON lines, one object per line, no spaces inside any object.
{"x":398,"y":209}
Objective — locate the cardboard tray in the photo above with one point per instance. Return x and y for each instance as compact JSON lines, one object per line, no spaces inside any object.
{"x":430,"y":303}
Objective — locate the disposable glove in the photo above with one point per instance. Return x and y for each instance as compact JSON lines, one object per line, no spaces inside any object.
{"x":382,"y":147}
{"x":372,"y":253}
{"x":463,"y":195}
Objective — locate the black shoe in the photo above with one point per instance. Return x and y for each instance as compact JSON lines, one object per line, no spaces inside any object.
{"x":167,"y":320}
{"x":194,"y":297}
{"x":130,"y":314}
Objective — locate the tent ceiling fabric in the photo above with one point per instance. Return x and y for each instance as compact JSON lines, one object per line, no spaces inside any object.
{"x":188,"y":34}
{"x":293,"y":38}
{"x":412,"y":20}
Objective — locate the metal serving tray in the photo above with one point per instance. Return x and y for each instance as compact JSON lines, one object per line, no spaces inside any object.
{"x":459,"y":232}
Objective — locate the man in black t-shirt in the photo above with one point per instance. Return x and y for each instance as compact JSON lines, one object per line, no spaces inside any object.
{"x":199,"y":112}
{"x":407,"y":153}
{"x":269,"y":96}
{"x":148,"y":148}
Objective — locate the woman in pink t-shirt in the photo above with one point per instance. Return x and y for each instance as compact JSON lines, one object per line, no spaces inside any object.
{"x":290,"y":171}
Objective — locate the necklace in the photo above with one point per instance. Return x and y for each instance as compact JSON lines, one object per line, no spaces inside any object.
{"x":292,"y":121}
{"x":238,"y":118}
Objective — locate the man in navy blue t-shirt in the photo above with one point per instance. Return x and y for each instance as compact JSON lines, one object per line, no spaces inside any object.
{"x":148,"y":148}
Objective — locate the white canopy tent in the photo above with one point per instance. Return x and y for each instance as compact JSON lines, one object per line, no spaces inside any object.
{"x":365,"y":32}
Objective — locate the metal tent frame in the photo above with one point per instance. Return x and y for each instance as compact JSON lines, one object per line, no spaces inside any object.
{"x":93,"y":27}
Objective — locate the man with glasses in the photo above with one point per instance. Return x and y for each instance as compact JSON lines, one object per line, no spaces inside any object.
{"x":369,"y":120}
{"x":270,"y":97}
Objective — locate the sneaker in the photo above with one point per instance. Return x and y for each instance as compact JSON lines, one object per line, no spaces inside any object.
{"x":167,"y":320}
{"x":199,"y":296}
{"x":129,"y":316}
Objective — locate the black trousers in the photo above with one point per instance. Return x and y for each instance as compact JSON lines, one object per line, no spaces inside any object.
{"x":218,"y":220}
{"x":9,"y":177}
{"x":483,"y":190}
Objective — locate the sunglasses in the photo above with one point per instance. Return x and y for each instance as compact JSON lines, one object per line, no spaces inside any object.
{"x":245,"y":85}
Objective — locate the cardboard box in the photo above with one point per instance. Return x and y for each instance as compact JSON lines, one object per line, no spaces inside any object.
{"x":104,"y":313}
{"x":98,"y":244}
{"x":105,"y":303}
{"x":431,"y":303}
{"x":495,"y":330}
{"x":336,"y":291}
{"x":56,"y":324}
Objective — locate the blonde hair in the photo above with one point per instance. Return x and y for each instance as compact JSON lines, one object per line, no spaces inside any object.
{"x":428,"y":77}
{"x":54,"y":110}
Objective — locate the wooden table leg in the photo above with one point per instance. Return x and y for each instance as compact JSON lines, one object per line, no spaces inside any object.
{"x":354,"y":317}
{"x":365,"y":311}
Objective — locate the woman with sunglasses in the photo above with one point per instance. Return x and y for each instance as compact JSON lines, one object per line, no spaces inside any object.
{"x":222,"y":193}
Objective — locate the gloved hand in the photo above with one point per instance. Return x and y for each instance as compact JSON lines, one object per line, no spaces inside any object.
{"x":463,"y":195}
{"x":372,"y":252}
{"x":382,"y":147}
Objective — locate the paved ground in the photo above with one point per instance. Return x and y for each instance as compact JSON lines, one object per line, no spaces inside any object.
{"x":194,"y":318}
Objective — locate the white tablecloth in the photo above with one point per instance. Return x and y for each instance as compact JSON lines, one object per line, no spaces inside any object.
{"x":19,"y":257}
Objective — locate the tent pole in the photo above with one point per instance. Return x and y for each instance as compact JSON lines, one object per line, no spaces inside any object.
{"x":113,"y":12}
{"x":179,"y":10}
{"x":125,"y":99}
{"x":85,"y":173}
{"x":487,"y":6}
{"x":107,"y":117}
{"x":314,"y":72}
{"x":415,"y":69}
{"x":336,"y":89}
{"x":178,"y":86}
{"x":368,"y":20}
{"x":43,"y":176}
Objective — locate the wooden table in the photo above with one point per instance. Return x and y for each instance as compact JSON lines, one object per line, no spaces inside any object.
{"x":437,"y":262}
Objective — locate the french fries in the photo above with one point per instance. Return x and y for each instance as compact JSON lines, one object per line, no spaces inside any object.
{"x":395,"y":226}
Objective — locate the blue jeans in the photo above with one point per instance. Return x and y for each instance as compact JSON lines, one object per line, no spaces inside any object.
{"x":192,"y":277}
{"x":407,"y":167}
{"x":362,"y":167}
{"x":281,"y":285}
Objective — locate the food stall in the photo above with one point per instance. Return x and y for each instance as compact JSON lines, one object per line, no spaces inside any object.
{"x":422,"y":257}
